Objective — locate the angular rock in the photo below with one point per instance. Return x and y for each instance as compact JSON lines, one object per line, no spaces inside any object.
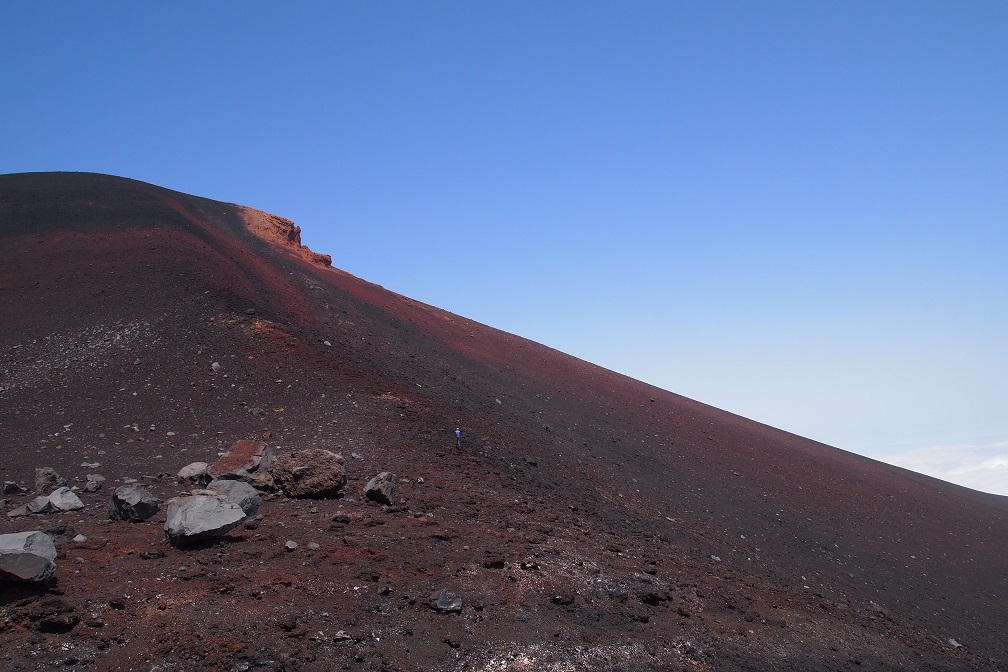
{"x":241,"y":460}
{"x":40,"y":504}
{"x":27,"y":556}
{"x":47,"y":480}
{"x":237,"y":492}
{"x":200,"y":517}
{"x":194,"y":473}
{"x":12,"y":488}
{"x":381,"y":488}
{"x":314,"y":473}
{"x":446,"y":602}
{"x":64,"y":499}
{"x":94,"y":483}
{"x":134,"y":503}
{"x":18,"y":512}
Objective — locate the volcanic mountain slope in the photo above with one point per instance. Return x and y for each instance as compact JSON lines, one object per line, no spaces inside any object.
{"x":588,"y":521}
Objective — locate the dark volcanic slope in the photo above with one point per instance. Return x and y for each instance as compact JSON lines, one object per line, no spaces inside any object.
{"x":589,"y":521}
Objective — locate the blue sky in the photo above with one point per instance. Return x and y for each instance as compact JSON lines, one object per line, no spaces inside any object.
{"x":794,"y":211}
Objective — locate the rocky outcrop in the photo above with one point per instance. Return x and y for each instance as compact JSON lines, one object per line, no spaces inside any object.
{"x":314,"y":473}
{"x":27,"y":556}
{"x":281,"y":231}
{"x":381,"y":488}
{"x":134,"y":503}
{"x":199,"y":517}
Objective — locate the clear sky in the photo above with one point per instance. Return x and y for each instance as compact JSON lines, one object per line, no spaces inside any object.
{"x":795,"y":211}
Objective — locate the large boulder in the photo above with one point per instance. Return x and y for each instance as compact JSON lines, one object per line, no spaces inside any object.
{"x":381,"y":488}
{"x":47,"y":480}
{"x":27,"y":556}
{"x":314,"y":473}
{"x":237,"y":492}
{"x":199,"y":517}
{"x":134,"y":503}
{"x":65,"y":499}
{"x":243,"y":459}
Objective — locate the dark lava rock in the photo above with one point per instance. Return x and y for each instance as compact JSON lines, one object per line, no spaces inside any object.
{"x":134,"y":503}
{"x":381,"y":488}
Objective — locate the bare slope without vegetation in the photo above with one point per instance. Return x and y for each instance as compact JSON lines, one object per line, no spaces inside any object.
{"x":586,"y":521}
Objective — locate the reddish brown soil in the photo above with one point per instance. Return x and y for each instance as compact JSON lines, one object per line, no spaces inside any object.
{"x":589,"y":521}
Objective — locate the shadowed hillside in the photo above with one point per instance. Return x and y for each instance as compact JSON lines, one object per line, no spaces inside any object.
{"x":587,"y":520}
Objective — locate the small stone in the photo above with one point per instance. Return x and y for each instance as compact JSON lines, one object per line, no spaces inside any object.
{"x":80,"y":538}
{"x":94,"y":483}
{"x":445,"y":601}
{"x":312,"y":546}
{"x":290,"y":546}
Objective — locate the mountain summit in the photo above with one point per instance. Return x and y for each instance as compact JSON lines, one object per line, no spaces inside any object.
{"x":580,"y":520}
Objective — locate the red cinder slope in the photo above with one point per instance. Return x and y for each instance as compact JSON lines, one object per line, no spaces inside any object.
{"x":587,"y":520}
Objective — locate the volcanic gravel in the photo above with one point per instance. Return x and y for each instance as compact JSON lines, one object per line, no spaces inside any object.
{"x":587,"y":521}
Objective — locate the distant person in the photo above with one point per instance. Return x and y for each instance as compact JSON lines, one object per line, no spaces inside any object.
{"x":458,"y":437}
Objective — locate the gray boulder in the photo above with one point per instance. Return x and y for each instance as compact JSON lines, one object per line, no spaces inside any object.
{"x":47,"y":480}
{"x":237,"y":492}
{"x":65,"y":499}
{"x":199,"y":517}
{"x":134,"y":503}
{"x":313,"y":473}
{"x":94,"y":483}
{"x":27,"y":556}
{"x":195,"y":473}
{"x":381,"y":488}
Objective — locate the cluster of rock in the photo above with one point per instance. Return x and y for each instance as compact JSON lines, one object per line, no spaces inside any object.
{"x":225,"y":494}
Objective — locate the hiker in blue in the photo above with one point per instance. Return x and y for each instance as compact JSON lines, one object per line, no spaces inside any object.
{"x":458,"y":437}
